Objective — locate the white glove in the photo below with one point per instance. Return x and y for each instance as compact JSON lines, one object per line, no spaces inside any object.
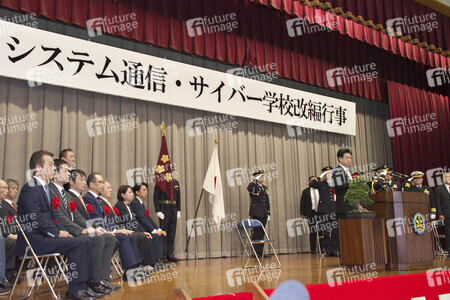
{"x":178,"y":214}
{"x":160,"y":215}
{"x":433,"y":216}
{"x":268,"y":218}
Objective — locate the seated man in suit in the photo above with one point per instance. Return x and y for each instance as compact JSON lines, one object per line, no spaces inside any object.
{"x":82,"y":217}
{"x":8,"y":202}
{"x":114,"y":219}
{"x":68,"y":156}
{"x":9,"y":233}
{"x":147,"y":223}
{"x":128,"y":248}
{"x":36,"y":213}
{"x":102,"y":245}
{"x":443,"y":206}
{"x":127,"y":218}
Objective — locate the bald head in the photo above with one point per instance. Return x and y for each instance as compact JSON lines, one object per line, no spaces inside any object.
{"x":3,"y":190}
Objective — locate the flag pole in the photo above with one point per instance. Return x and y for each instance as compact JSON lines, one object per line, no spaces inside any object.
{"x":195,"y":216}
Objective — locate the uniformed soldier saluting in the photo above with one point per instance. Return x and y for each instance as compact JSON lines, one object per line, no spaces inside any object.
{"x":168,"y":212}
{"x":417,"y":186}
{"x":383,"y":182}
{"x":327,"y":210}
{"x":259,"y":207}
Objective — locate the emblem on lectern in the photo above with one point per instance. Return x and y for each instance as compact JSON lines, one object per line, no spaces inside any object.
{"x":419,"y":223}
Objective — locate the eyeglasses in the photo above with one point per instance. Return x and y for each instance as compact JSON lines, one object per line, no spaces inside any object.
{"x":4,"y":187}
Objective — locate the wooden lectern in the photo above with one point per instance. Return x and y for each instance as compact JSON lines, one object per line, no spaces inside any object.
{"x":362,"y":242}
{"x":406,"y":249}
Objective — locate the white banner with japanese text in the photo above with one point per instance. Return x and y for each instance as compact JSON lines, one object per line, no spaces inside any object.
{"x":40,"y":56}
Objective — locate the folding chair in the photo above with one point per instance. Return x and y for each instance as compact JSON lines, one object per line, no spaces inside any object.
{"x":41,"y":262}
{"x":239,"y":229}
{"x":319,"y":237}
{"x":435,"y":225}
{"x":252,"y":224}
{"x":117,"y":265}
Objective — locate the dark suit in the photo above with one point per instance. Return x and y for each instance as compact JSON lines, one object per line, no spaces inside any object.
{"x":259,"y":210}
{"x":7,"y":228}
{"x":38,"y":217}
{"x":310,"y":214}
{"x":98,"y":210}
{"x":9,"y":209}
{"x":145,"y":221}
{"x":340,"y":184}
{"x":151,"y":249}
{"x":169,"y":223}
{"x":443,"y":209}
{"x":102,"y":245}
{"x":326,"y":209}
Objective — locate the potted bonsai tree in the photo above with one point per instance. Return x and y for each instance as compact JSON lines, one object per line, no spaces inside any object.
{"x":358,"y":197}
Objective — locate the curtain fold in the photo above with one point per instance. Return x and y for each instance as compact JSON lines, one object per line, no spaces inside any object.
{"x":415,"y":149}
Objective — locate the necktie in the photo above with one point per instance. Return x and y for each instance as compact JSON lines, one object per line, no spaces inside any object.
{"x":15,"y":207}
{"x":64,"y":198}
{"x":99,"y":201}
{"x":48,"y":194}
{"x":82,"y":202}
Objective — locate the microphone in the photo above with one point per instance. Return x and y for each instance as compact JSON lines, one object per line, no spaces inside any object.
{"x":400,"y":175}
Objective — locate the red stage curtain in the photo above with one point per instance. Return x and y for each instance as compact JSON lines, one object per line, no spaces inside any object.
{"x":260,"y":39}
{"x":379,"y":11}
{"x":419,"y":150}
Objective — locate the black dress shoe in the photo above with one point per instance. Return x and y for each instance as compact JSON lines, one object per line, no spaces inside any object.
{"x":99,"y":289}
{"x":110,"y":286}
{"x":94,"y":294}
{"x":331,"y":254}
{"x":172,"y":258}
{"x":81,"y":295}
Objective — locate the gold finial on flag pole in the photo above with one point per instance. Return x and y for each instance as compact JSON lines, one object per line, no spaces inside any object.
{"x":217,"y":142}
{"x":163,"y":129}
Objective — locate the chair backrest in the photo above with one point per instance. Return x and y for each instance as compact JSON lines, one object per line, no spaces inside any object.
{"x":251,"y":223}
{"x":24,"y":236}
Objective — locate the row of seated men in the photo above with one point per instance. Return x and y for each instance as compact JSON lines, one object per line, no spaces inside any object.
{"x":57,"y":214}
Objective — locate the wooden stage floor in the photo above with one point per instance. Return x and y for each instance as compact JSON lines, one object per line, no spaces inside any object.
{"x":218,"y":276}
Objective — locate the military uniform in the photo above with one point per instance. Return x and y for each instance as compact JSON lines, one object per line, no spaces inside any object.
{"x":380,"y":185}
{"x":409,"y":187}
{"x":169,"y":208}
{"x":427,"y":190}
{"x":259,"y":209}
{"x":327,"y":212}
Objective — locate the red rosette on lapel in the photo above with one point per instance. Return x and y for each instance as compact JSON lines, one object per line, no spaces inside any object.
{"x":56,"y":202}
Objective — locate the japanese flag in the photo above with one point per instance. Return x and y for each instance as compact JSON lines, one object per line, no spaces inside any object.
{"x":213,"y":185}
